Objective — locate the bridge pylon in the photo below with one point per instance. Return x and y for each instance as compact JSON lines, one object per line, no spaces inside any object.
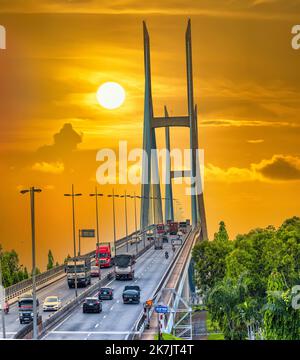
{"x":150,"y":172}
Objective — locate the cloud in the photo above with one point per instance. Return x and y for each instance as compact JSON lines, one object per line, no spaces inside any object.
{"x":248,"y":123}
{"x":265,"y":9}
{"x":65,"y":142}
{"x":277,"y":169}
{"x":255,"y":141}
{"x":280,"y":167}
{"x":51,"y":168}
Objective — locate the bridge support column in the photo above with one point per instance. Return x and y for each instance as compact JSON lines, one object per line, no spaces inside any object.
{"x":169,"y":211}
{"x":150,"y":173}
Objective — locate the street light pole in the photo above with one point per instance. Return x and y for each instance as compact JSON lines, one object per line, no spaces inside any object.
{"x":126,"y":223}
{"x":74,"y":232}
{"x":32,"y":191}
{"x":96,"y":194}
{"x":114,"y":220}
{"x":135,"y":223}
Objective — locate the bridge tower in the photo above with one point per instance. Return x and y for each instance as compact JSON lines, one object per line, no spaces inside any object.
{"x":150,"y":174}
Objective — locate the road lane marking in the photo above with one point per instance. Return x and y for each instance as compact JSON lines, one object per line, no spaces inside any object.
{"x":63,"y":321}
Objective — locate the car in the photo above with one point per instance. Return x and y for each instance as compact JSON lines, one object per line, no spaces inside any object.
{"x":131,"y":294}
{"x":94,"y":271}
{"x":51,"y":303}
{"x":165,"y":239}
{"x":92,"y":304}
{"x":106,"y":294}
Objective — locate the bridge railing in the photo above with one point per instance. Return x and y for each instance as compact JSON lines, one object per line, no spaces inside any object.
{"x":139,"y":326}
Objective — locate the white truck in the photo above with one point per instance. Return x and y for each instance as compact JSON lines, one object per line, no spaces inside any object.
{"x":124,"y":266}
{"x":83,"y":271}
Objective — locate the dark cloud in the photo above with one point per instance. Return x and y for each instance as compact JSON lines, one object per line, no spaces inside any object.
{"x":65,"y":142}
{"x":280,"y":167}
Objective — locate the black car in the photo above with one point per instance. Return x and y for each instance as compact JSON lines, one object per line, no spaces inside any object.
{"x":131,"y":294}
{"x":92,"y":304}
{"x":165,"y":239}
{"x":106,"y":294}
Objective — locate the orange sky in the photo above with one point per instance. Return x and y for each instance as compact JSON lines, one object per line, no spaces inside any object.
{"x":247,"y":86}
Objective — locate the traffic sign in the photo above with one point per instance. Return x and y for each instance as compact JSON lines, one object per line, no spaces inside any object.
{"x":161,"y":309}
{"x":87,"y":233}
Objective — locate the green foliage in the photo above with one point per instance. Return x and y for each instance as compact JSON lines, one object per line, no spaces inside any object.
{"x":222,"y":233}
{"x":224,"y":306}
{"x":219,"y":336}
{"x":67,"y":258}
{"x":166,"y":336}
{"x":209,"y":257}
{"x":12,"y":271}
{"x":50,"y":260}
{"x":250,"y":262}
{"x":281,"y":321}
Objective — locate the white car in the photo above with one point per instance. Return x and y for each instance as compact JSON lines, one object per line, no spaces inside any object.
{"x":52,"y":303}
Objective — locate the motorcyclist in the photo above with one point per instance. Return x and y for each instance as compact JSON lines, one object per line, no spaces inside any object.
{"x":166,"y":254}
{"x":5,"y":308}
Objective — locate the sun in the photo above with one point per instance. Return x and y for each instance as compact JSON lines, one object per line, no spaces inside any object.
{"x":110,"y":95}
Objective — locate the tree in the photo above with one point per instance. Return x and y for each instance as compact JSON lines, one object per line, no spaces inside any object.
{"x":281,"y":321}
{"x":50,"y":260}
{"x":12,"y":271}
{"x":209,"y":257}
{"x":224,"y":304}
{"x":222,"y":233}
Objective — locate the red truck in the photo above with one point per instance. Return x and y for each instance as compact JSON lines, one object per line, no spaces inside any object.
{"x":160,"y":229}
{"x":173,"y":228}
{"x":105,"y":253}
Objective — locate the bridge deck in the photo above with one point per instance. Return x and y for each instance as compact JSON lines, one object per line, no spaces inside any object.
{"x":172,"y":283}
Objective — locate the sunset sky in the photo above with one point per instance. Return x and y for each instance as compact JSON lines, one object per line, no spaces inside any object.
{"x":246,"y":85}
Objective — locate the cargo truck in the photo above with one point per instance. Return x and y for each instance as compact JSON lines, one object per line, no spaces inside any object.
{"x":25,"y":305}
{"x":124,"y":266}
{"x":83,"y":271}
{"x":105,"y":252}
{"x":158,"y":243}
{"x":173,"y":228}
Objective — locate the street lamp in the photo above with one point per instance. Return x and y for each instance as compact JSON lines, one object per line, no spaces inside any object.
{"x":135,"y":222}
{"x":125,"y":196}
{"x":32,"y":191}
{"x":96,"y":194}
{"x":73,"y":195}
{"x":114,"y":217}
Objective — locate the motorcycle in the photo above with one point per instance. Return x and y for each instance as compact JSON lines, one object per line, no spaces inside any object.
{"x":6,"y":307}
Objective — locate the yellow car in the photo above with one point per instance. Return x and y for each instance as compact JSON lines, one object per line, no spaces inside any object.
{"x":52,"y":303}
